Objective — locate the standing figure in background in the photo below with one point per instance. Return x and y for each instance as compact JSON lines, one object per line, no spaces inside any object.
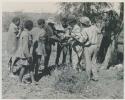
{"x":110,"y":32}
{"x":38,"y":45}
{"x":49,"y":28}
{"x":90,"y":47}
{"x":61,"y":45}
{"x":12,"y":41}
{"x":71,"y":23}
{"x":77,"y":46}
{"x":24,"y":51}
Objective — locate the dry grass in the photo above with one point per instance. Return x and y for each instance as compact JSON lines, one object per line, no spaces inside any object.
{"x":61,"y":83}
{"x":71,"y":81}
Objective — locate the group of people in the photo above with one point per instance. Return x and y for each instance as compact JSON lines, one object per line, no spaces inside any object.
{"x":27,"y":46}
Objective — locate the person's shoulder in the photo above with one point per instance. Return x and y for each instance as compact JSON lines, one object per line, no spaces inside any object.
{"x":85,"y":28}
{"x":90,"y":28}
{"x":43,"y":30}
{"x":24,"y":33}
{"x":13,"y":25}
{"x":94,"y":27}
{"x":48,"y":28}
{"x":76,"y":26}
{"x":35,"y":30}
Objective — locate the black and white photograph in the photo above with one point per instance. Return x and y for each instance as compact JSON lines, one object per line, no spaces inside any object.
{"x":62,"y":50}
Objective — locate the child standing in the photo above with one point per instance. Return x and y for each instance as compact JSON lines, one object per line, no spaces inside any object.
{"x":23,"y":52}
{"x":38,"y":45}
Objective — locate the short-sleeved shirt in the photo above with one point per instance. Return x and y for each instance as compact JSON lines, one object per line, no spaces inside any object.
{"x":91,"y":33}
{"x":38,"y":33}
{"x":49,"y":31}
{"x":24,"y":45}
{"x":77,"y":33}
{"x":38,"y":40}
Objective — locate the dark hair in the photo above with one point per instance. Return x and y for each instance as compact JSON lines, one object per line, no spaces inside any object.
{"x":28,"y":24}
{"x":15,"y":19}
{"x":41,"y":21}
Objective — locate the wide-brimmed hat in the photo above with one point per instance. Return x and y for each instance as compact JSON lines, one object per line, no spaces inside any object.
{"x":85,"y":20}
{"x":59,"y":27}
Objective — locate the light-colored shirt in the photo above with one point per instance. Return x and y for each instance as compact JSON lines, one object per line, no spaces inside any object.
{"x":13,"y":28}
{"x":37,"y":33}
{"x":76,"y":31}
{"x":91,"y":33}
{"x":12,"y":41}
{"x":24,"y":45}
{"x":77,"y":34}
{"x":39,"y":36}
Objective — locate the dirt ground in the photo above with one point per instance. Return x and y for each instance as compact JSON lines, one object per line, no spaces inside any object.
{"x":108,"y":86}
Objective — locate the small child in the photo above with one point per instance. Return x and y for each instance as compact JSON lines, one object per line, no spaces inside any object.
{"x":38,"y":45}
{"x":23,"y":52}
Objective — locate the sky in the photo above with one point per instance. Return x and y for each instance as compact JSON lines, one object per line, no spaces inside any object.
{"x":48,"y":7}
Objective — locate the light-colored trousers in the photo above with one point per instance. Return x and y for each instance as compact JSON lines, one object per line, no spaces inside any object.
{"x":77,"y":55}
{"x":90,"y":56}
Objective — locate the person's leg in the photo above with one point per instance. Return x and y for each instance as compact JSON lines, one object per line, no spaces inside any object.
{"x":82,"y":61}
{"x":32,"y":73}
{"x":88,"y":62}
{"x":79,"y":53}
{"x":10,"y":65}
{"x":39,"y":60}
{"x":74,"y":58}
{"x":75,"y":55}
{"x":21,"y":73}
{"x":48,"y":52}
{"x":37,"y":65}
{"x":70,"y":54}
{"x":34,"y":63}
{"x":59,"y":49}
{"x":94,"y":64}
{"x":32,"y":76}
{"x":31,"y":67}
{"x":65,"y":49}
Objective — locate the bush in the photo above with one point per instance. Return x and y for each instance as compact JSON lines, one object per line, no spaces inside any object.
{"x":71,"y":81}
